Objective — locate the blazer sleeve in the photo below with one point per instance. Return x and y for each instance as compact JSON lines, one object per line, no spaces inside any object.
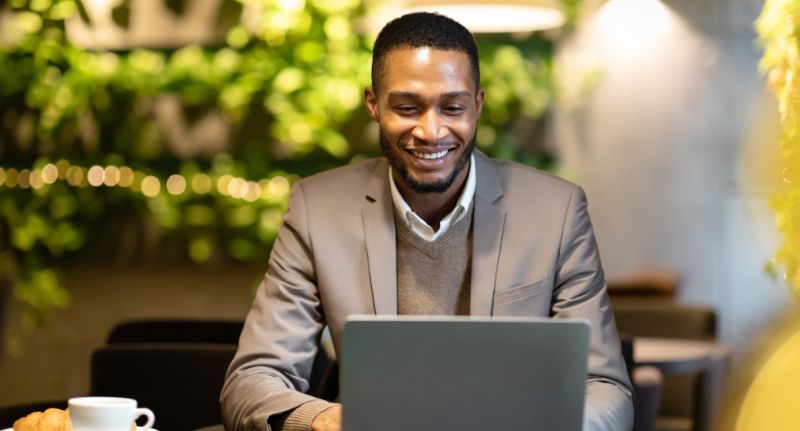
{"x":580,"y":292}
{"x":270,"y":370}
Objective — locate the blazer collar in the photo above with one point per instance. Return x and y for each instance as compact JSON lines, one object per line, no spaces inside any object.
{"x":488,"y":186}
{"x":378,"y":219}
{"x":379,"y":231}
{"x":487,"y":236}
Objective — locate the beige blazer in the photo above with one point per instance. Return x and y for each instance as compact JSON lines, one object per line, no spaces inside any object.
{"x":534,"y":254}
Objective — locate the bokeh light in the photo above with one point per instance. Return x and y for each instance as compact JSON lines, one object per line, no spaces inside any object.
{"x":252,"y":191}
{"x":112,"y":176}
{"x":176,"y":184}
{"x":11,"y":177}
{"x":151,"y":186}
{"x":74,"y":176}
{"x":201,"y":184}
{"x":279,"y":186}
{"x":62,"y":166}
{"x":24,"y":180}
{"x":96,"y":176}
{"x":37,"y":182}
{"x":125,"y":176}
{"x":49,"y":173}
{"x":235,"y":187}
{"x":222,"y":184}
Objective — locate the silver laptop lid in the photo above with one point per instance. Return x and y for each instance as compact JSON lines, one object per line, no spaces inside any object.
{"x":463,"y":373}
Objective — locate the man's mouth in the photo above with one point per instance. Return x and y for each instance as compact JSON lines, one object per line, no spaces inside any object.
{"x":429,"y":156}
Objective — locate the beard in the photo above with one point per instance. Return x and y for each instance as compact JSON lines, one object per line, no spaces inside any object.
{"x":414,"y":184}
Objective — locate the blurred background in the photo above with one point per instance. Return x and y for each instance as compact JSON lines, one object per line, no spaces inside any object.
{"x":148,"y":147}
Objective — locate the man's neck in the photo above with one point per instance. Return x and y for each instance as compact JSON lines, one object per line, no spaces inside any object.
{"x":433,"y":207}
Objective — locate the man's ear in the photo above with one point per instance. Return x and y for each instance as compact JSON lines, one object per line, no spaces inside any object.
{"x":371,"y":102}
{"x":479,"y":101}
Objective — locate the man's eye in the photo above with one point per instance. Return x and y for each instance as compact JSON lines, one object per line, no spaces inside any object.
{"x":453,"y":109}
{"x":405,"y":110}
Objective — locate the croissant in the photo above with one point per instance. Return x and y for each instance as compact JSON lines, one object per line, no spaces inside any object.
{"x":50,"y":420}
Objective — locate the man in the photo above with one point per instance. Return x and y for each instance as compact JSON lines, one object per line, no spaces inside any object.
{"x":434,"y":228}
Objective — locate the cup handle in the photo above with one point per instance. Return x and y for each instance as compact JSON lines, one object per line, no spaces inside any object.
{"x":151,"y":418}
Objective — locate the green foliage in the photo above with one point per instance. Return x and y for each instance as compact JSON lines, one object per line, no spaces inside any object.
{"x":286,"y":86}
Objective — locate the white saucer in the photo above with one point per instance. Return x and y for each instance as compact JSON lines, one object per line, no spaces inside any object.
{"x":137,"y":429}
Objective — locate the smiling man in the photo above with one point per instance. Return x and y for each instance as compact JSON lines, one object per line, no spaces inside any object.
{"x":434,"y":228}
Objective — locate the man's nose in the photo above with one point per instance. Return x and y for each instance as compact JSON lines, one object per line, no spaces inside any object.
{"x":430,"y":128}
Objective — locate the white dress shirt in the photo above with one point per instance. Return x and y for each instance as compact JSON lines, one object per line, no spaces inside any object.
{"x":422,"y":228}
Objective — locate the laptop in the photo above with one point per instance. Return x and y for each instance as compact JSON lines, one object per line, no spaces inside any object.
{"x":463,"y":373}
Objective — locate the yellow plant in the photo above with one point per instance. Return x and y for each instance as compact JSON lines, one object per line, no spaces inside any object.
{"x":772,"y":377}
{"x":778,"y":28}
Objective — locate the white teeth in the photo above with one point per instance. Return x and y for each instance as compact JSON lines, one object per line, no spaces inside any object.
{"x":432,"y":156}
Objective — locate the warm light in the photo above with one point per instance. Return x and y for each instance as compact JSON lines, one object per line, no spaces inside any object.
{"x":500,"y":18}
{"x":96,"y":176}
{"x":278,"y":186}
{"x":74,"y":176}
{"x":24,"y":178}
{"x":235,"y":188}
{"x":11,"y":177}
{"x":176,"y":184}
{"x":125,"y":176}
{"x":253,"y":191}
{"x":222,"y":184}
{"x":291,"y":5}
{"x":150,"y":186}
{"x":36,"y":179}
{"x":50,"y":173}
{"x":633,"y":22}
{"x":201,"y":184}
{"x":112,"y":176}
{"x":485,"y":16}
{"x":62,"y":166}
{"x":2,"y":176}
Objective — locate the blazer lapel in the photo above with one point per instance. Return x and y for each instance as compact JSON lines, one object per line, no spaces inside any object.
{"x":379,"y":232}
{"x":487,"y":235}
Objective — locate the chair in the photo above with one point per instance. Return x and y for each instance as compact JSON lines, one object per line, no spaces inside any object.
{"x":647,"y":383}
{"x":176,"y":331}
{"x":651,"y":284}
{"x":688,"y":400}
{"x":180,"y":382}
{"x":324,"y":379}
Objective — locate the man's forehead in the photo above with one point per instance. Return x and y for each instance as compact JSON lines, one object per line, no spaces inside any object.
{"x":427,"y":65}
{"x":424,"y":54}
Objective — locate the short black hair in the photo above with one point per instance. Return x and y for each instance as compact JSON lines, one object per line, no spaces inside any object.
{"x":424,"y":29}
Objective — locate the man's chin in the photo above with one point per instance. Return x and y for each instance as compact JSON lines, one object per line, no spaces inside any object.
{"x":428,"y":185}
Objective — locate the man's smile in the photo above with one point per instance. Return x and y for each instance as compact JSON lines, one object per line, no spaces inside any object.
{"x":428,"y":153}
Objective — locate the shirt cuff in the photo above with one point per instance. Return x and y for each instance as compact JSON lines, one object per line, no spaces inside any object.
{"x":300,"y":419}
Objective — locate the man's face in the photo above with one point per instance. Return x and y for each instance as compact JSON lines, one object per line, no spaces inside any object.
{"x":427,"y":106}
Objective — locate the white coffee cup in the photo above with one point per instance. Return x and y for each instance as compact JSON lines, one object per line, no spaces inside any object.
{"x":106,"y":414}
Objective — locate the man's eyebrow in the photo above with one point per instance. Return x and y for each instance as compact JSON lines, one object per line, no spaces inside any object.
{"x":407,"y":94}
{"x":447,"y":95}
{"x":454,"y":94}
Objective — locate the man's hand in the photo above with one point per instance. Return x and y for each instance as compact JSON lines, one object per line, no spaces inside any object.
{"x":329,"y":420}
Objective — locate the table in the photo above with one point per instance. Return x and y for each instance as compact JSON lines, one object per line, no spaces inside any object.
{"x":676,"y":355}
{"x":681,"y":356}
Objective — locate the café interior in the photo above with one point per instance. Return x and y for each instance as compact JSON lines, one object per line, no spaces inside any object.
{"x":148,"y":149}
